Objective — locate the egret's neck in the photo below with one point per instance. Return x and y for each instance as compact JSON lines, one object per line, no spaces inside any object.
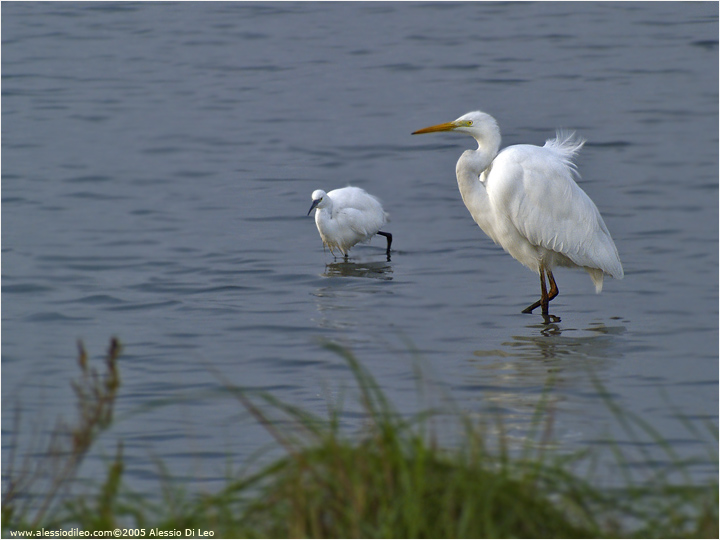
{"x":471,"y":165}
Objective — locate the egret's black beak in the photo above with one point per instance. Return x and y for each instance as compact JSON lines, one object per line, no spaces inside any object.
{"x":314,"y":204}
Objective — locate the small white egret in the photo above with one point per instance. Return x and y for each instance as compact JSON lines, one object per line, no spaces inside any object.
{"x":526,"y":200}
{"x":347,"y":216}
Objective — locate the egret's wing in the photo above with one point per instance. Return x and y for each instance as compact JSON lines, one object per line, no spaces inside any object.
{"x":536,"y":190}
{"x":355,"y":197}
{"x":357,"y":209}
{"x":364,"y":224}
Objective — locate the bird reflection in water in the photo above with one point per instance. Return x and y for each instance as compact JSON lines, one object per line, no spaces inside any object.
{"x":537,"y":372}
{"x":344,"y":268}
{"x":546,"y":342}
{"x":340,"y":301}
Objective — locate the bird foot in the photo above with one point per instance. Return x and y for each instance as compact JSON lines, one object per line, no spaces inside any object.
{"x":547,"y":318}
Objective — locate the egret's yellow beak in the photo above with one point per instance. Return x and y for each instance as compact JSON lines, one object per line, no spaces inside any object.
{"x":447,"y":126}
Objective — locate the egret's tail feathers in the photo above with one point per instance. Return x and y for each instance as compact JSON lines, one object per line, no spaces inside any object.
{"x":566,"y":144}
{"x":597,"y":278}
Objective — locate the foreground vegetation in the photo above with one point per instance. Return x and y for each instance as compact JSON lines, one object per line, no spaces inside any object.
{"x":391,"y":481}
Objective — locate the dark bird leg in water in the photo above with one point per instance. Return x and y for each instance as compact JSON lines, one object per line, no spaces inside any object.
{"x":389,"y":240}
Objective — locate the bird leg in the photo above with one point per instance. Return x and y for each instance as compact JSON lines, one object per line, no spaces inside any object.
{"x":544,"y":302}
{"x":543,"y":294}
{"x":530,"y":308}
{"x":554,"y":291}
{"x":389,"y":240}
{"x":545,"y":297}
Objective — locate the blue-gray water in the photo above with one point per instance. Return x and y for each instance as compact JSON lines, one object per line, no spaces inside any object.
{"x":157,"y":166}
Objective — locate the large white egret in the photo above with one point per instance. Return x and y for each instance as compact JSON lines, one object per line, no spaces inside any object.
{"x":526,"y":200}
{"x":347,"y":216}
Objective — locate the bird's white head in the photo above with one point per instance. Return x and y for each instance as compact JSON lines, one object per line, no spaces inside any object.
{"x":479,"y":125}
{"x":319,"y":200}
{"x":484,"y":129}
{"x":476,"y":122}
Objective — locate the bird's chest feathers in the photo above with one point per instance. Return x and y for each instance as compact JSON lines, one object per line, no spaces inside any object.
{"x":324,"y":221}
{"x":333,"y":226}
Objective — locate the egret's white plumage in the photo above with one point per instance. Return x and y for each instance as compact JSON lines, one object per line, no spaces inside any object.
{"x":347,"y":216}
{"x":526,"y":200}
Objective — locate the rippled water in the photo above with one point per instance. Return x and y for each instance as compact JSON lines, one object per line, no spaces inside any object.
{"x":158,"y":161}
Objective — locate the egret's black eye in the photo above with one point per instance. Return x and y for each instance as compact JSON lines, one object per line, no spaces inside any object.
{"x":469,"y":122}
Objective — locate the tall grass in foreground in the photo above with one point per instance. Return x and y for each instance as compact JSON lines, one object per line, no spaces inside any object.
{"x":31,"y":489}
{"x":395,"y":481}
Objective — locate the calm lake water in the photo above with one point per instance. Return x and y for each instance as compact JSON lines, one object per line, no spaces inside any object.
{"x":157,"y":166}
